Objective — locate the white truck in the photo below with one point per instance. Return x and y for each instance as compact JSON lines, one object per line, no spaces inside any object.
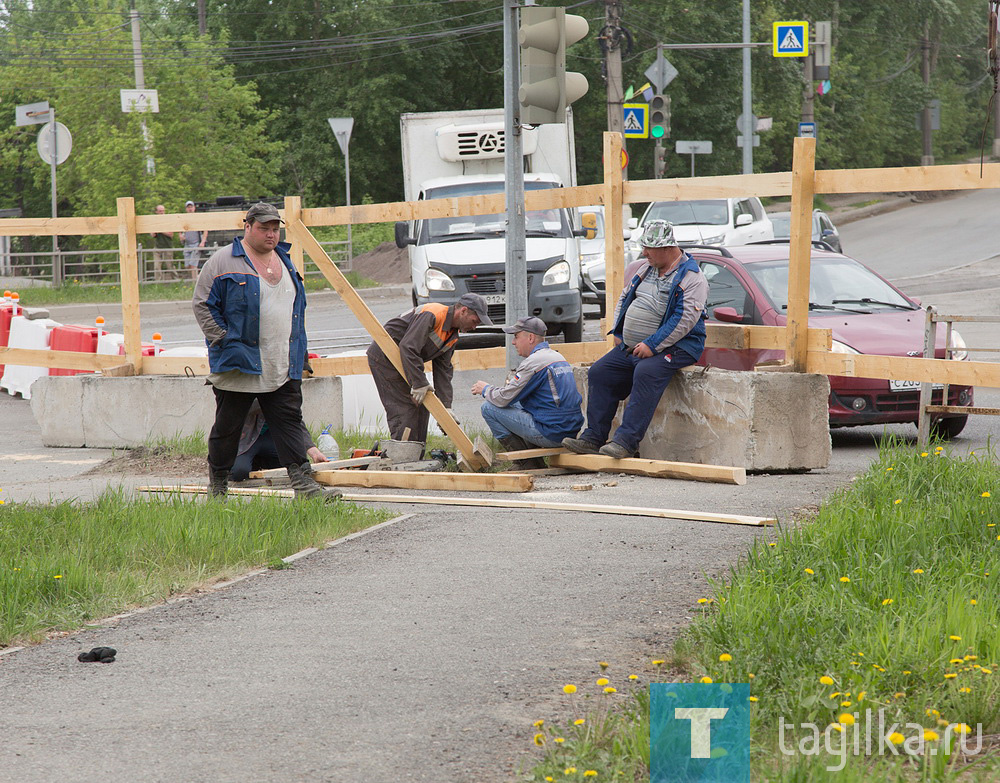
{"x":461,"y":153}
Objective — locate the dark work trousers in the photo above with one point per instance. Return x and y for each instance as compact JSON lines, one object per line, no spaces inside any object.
{"x":400,"y":409}
{"x":262,"y":454}
{"x":282,"y":410}
{"x":618,"y":375}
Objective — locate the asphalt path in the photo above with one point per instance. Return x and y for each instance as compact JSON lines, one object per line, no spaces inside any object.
{"x":423,"y":650}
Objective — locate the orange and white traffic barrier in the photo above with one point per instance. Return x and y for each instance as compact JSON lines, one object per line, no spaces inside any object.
{"x":157,"y":339}
{"x":99,"y":323}
{"x":15,"y":300}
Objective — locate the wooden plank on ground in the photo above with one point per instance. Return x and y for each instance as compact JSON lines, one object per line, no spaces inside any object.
{"x":530,"y":453}
{"x":319,"y":467}
{"x":722,"y":474}
{"x":436,"y":480}
{"x":589,"y":508}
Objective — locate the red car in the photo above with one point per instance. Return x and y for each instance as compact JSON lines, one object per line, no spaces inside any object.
{"x":866,"y":313}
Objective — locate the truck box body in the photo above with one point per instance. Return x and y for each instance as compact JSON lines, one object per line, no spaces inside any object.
{"x":461,"y":153}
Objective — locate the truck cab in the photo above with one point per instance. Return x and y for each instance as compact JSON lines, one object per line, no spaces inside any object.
{"x":450,"y":256}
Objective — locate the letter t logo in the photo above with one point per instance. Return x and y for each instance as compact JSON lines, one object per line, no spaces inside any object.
{"x":701,"y":727}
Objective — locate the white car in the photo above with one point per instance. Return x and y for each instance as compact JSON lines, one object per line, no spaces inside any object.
{"x":715,"y":221}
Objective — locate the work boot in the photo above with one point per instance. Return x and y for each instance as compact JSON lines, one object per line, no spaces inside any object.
{"x":616,"y":450}
{"x":218,"y":483}
{"x":581,"y":446}
{"x":306,"y":486}
{"x":515,"y":443}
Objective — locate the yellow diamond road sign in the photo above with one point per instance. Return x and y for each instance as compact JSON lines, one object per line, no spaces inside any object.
{"x":791,"y":39}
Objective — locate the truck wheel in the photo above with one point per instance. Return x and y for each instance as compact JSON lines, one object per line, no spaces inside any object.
{"x":573,"y":331}
{"x":948,"y":428}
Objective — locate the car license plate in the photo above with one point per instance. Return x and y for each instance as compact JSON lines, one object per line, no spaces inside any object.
{"x":495,"y":299}
{"x":897,"y":386}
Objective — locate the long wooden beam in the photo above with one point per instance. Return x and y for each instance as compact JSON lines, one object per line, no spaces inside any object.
{"x":963,"y":176}
{"x":776,"y":184}
{"x":530,"y":453}
{"x":374,"y":327}
{"x":448,"y":482}
{"x":905,"y":368}
{"x":800,"y":252}
{"x":337,"y":464}
{"x":722,"y":474}
{"x":614,"y":238}
{"x":128,"y":261}
{"x":63,"y":360}
{"x":587,"y":508}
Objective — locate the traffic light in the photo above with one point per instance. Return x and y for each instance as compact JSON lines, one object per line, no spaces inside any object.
{"x":546,"y":88}
{"x":659,"y":161}
{"x":659,"y":116}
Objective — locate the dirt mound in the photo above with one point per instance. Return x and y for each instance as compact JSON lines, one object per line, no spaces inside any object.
{"x":151,"y":462}
{"x":385,"y":264}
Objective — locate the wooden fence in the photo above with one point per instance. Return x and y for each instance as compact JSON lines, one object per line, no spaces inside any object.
{"x":807,"y":350}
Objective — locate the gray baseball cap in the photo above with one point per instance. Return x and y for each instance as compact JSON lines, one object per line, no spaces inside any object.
{"x":477,"y":304}
{"x":658,"y":233}
{"x":529,"y":324}
{"x":263,"y":213}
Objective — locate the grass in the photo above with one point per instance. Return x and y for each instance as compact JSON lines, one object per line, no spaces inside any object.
{"x":63,"y":566}
{"x":180,"y":290}
{"x":890,"y":591}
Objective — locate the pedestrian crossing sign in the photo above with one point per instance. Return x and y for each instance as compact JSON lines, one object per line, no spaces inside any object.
{"x":791,"y":39}
{"x":636,"y":120}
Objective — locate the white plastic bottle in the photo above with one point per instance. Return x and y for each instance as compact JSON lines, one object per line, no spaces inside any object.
{"x":328,"y":444}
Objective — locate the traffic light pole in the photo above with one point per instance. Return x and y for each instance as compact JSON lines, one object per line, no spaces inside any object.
{"x":516,"y":259}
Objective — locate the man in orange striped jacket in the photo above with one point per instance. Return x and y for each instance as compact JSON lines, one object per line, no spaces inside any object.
{"x":427,"y":333}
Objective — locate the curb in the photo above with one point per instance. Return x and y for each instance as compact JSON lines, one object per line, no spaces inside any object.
{"x":229,"y":582}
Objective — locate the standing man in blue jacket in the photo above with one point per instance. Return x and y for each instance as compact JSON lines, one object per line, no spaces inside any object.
{"x":539,"y":405}
{"x":251,"y":305}
{"x":659,"y":328}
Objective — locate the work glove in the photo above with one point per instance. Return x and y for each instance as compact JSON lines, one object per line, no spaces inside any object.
{"x":419,"y":394}
{"x":452,"y":414}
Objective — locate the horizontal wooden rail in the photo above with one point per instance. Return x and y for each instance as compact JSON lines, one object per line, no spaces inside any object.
{"x":905,"y":368}
{"x":906,"y":178}
{"x":776,"y":184}
{"x":62,"y":360}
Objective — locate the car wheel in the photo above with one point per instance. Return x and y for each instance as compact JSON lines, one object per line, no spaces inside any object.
{"x":573,"y":331}
{"x":948,"y":428}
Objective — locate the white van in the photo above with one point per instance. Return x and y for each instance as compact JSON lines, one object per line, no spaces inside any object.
{"x":713,"y":221}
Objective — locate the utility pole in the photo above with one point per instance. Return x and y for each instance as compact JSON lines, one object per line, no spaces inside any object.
{"x":140,"y":82}
{"x":807,"y":92}
{"x":202,"y":24}
{"x":927,"y":159}
{"x":748,"y":128}
{"x":516,"y":262}
{"x":996,"y":126}
{"x":613,"y":68}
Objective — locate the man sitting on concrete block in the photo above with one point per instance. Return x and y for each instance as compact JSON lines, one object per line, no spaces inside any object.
{"x":659,"y":328}
{"x":539,"y":405}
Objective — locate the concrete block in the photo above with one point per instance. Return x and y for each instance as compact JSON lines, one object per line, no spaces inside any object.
{"x":762,"y":421}
{"x":101,"y":412}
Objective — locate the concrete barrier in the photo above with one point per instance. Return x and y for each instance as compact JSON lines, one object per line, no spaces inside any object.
{"x":762,"y":421}
{"x":101,"y":412}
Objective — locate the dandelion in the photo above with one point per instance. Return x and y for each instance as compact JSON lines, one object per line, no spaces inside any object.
{"x":751,"y":675}
{"x":965,"y":690}
{"x":657,"y":663}
{"x":705,"y":680}
{"x":992,"y":524}
{"x":956,"y":660}
{"x":918,"y":570}
{"x":897,"y":501}
{"x":725,"y":658}
{"x":610,"y":689}
{"x":560,"y":740}
{"x":837,"y":726}
{"x":950,"y":676}
{"x":971,"y":658}
{"x":896,"y":738}
{"x":985,"y":495}
{"x":602,"y":681}
{"x":846,"y":719}
{"x":930,"y":735}
{"x":539,"y":739}
{"x":835,"y":694}
{"x":569,"y":771}
{"x":924,"y":454}
{"x":579,"y":722}
{"x":538,"y":724}
{"x":590,"y":773}
{"x":549,"y":778}
{"x":771,"y":543}
{"x":570,"y":688}
{"x":886,"y":601}
{"x":826,"y":680}
{"x":703,"y":600}
{"x":907,"y":671}
{"x":972,"y":602}
{"x":633,"y":676}
{"x":898,"y":695}
{"x":845,"y":579}
{"x":810,"y":571}
{"x":887,"y":470}
{"x":57,"y":576}
{"x":603,"y":665}
{"x":846,"y":703}
{"x":855,"y":663}
{"x":861,"y":695}
{"x":752,"y":698}
{"x":962,"y":728}
{"x":955,"y":638}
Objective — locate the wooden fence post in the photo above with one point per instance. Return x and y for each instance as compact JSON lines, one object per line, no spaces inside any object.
{"x":293,"y":213}
{"x":614,"y":240}
{"x":800,"y":252}
{"x":129,"y":271}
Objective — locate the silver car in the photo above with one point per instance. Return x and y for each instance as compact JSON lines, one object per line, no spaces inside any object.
{"x":823,"y":228}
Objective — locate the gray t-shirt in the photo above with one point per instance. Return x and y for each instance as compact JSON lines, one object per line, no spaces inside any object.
{"x":276,"y":303}
{"x":645,"y":314}
{"x":192,"y":238}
